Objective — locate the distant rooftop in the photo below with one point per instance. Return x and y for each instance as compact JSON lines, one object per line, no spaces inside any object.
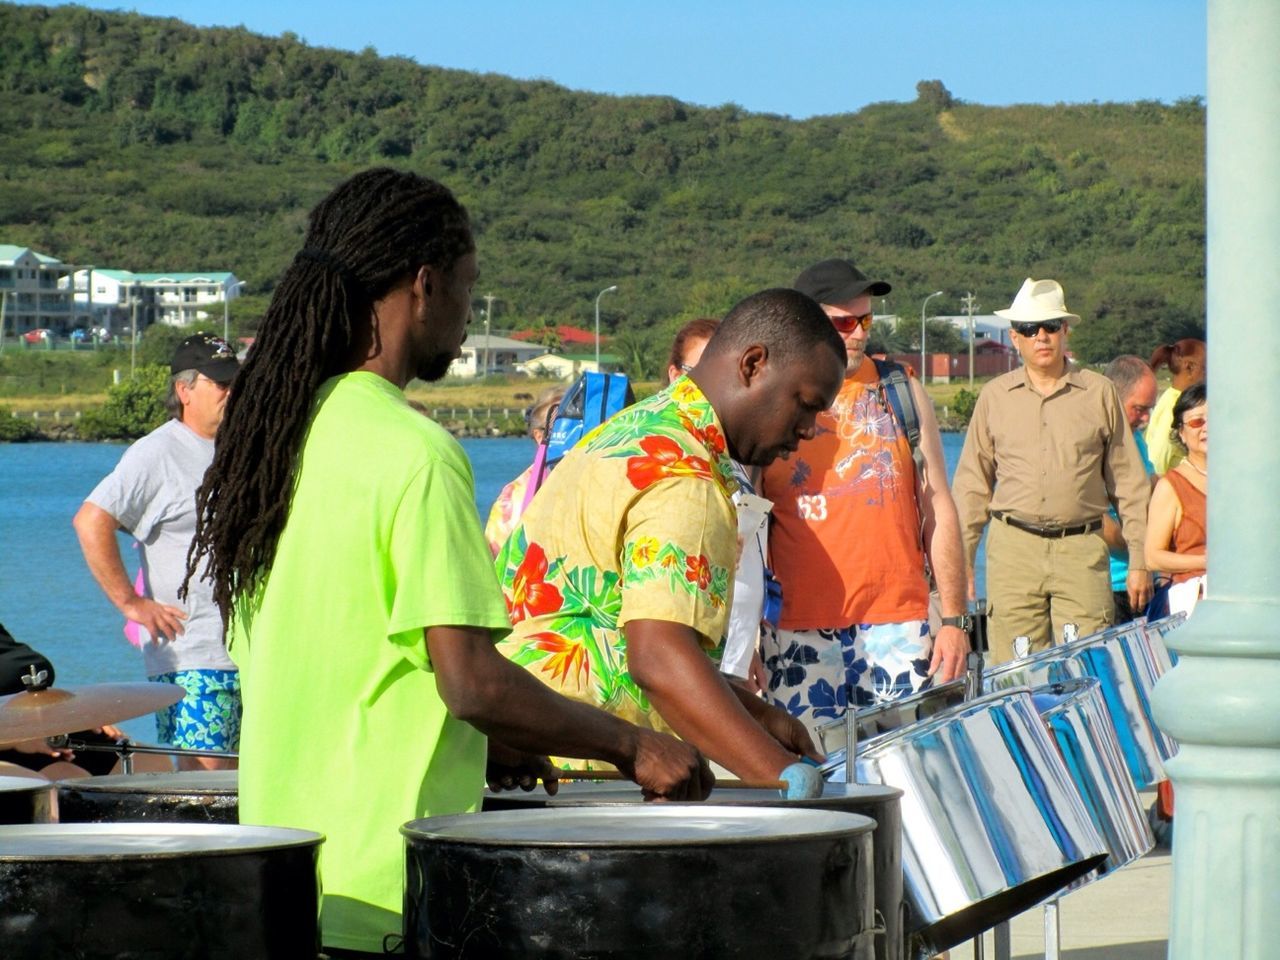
{"x":212,"y":277}
{"x":9,"y":253}
{"x":566,"y":333}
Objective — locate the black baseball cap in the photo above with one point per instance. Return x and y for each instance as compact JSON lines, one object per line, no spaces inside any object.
{"x":206,"y":354}
{"x":838,"y":281}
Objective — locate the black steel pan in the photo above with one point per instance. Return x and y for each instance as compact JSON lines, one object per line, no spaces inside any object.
{"x":159,"y":892}
{"x":637,"y":882}
{"x":27,"y":800}
{"x":879,"y":802}
{"x":197,"y":796}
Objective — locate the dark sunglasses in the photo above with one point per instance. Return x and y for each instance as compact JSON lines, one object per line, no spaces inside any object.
{"x":1031,"y":329}
{"x":847,"y":323}
{"x":1195,"y":423}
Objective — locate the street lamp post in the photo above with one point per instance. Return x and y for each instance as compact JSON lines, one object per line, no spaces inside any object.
{"x":488,"y":315}
{"x":936,"y":293}
{"x":611,"y":289}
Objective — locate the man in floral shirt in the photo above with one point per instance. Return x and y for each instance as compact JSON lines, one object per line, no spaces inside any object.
{"x":618,"y":579}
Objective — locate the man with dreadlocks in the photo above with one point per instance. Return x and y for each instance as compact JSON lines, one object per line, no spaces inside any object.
{"x":347,"y":555}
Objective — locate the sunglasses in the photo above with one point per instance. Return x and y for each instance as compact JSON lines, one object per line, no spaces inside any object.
{"x":1031,"y":329}
{"x":847,"y":323}
{"x":1195,"y":423}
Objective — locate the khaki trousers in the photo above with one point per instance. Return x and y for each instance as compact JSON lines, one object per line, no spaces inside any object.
{"x":1035,"y":585}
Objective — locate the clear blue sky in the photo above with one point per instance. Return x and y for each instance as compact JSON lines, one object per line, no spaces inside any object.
{"x":795,"y":57}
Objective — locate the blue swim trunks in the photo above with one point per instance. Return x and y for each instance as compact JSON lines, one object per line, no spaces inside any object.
{"x":208,"y":717}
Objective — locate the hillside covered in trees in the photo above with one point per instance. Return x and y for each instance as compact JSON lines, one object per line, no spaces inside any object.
{"x":148,"y":144}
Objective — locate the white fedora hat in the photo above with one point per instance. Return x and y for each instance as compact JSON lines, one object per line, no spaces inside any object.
{"x":1038,"y":300}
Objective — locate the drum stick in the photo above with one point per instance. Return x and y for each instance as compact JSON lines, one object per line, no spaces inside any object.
{"x":615,"y":776}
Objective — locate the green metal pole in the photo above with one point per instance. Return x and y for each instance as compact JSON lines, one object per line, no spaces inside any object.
{"x":1222,"y":701}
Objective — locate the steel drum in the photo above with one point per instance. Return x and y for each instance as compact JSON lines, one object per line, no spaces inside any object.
{"x":1127,"y":661}
{"x":640,"y":882}
{"x":992,"y":823}
{"x":159,"y":891}
{"x":884,"y":718}
{"x":196,"y":796}
{"x":879,"y":802}
{"x":1077,"y":717}
{"x":27,"y":800}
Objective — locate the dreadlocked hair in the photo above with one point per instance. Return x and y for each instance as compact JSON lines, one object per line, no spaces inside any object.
{"x":371,"y":233}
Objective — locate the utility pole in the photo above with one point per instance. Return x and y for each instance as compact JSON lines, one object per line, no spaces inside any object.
{"x":970,"y":304}
{"x":488,"y":315}
{"x":133,"y":329}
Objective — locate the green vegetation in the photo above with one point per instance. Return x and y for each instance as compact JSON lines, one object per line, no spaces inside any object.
{"x":15,"y":430}
{"x":148,"y":144}
{"x":134,"y":407}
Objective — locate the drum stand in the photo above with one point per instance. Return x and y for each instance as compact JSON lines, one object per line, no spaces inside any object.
{"x":1052,"y":925}
{"x":126,"y":748}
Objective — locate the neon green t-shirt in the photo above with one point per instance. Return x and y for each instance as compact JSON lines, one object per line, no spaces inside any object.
{"x":344,"y":731}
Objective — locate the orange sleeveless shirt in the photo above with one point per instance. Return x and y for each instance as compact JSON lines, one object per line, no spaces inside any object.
{"x":845,"y":536}
{"x":1191,"y":534}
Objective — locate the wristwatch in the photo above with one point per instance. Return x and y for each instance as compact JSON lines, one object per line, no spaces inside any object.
{"x":964,"y":622}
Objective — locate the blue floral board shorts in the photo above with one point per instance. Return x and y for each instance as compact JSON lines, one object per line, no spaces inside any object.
{"x":810,"y":671}
{"x":208,"y":717}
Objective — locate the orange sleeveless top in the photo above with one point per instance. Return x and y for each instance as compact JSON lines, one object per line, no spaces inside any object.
{"x":1191,"y":534}
{"x":845,"y":535}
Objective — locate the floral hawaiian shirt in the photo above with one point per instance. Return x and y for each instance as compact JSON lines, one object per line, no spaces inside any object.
{"x":636,"y":523}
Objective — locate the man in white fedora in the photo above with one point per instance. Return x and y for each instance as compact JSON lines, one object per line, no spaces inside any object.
{"x":1049,"y":450}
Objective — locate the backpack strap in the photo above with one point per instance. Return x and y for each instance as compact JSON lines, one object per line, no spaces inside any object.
{"x":896,"y":390}
{"x":895,"y":387}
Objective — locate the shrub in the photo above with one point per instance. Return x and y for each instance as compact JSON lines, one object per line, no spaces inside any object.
{"x":14,"y":430}
{"x":134,"y":407}
{"x":963,"y":403}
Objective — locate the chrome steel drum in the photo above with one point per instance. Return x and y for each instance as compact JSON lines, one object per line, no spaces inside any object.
{"x":159,"y":891}
{"x":1078,"y":721}
{"x":991,"y":822}
{"x":879,"y":802}
{"x":1165,"y":625}
{"x":196,"y":796}
{"x":658,"y":880}
{"x":27,"y":800}
{"x":1127,"y":661}
{"x":883,"y":718}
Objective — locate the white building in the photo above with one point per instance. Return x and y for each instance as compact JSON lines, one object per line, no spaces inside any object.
{"x":173,"y":298}
{"x":37,"y":292}
{"x":183,"y":298}
{"x":986,"y":326}
{"x":566,"y":366}
{"x":492,"y":353}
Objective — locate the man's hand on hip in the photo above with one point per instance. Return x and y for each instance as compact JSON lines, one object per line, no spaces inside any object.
{"x":160,"y":620}
{"x":950,"y":651}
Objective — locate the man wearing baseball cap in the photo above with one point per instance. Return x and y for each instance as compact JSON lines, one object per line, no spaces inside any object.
{"x":151,"y":494}
{"x":859,"y":510}
{"x":1048,"y":451}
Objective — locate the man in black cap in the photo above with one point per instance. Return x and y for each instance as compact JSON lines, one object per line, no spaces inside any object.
{"x":151,"y":494}
{"x":862,"y":517}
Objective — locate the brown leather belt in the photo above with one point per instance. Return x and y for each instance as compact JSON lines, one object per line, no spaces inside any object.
{"x":1043,"y":530}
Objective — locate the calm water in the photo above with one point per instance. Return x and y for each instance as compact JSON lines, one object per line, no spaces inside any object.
{"x":48,"y":597}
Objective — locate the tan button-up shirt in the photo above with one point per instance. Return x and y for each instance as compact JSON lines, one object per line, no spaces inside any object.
{"x":1060,"y":458}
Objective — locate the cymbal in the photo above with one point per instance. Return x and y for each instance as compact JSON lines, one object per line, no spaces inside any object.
{"x":58,"y":710}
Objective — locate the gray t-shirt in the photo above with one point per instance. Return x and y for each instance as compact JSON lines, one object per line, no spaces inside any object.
{"x":152,"y":494}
